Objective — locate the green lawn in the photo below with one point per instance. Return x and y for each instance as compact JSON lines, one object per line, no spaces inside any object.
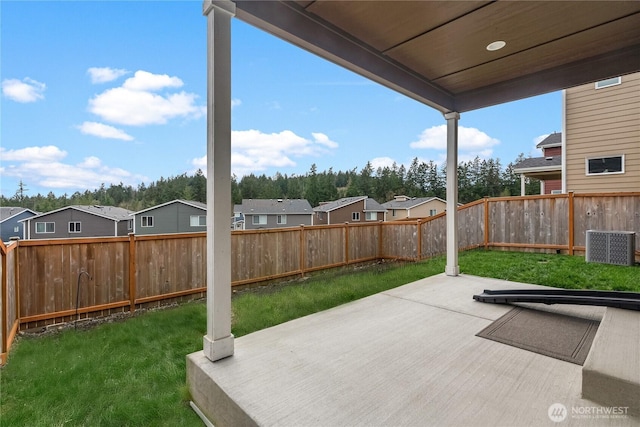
{"x":132,"y":373}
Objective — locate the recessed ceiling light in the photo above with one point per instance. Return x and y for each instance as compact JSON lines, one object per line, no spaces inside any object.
{"x":497,"y":45}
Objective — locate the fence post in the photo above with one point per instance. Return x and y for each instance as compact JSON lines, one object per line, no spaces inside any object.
{"x":419,"y":243}
{"x":132,"y":272}
{"x":302,"y":250}
{"x":486,"y":223}
{"x":571,"y":220}
{"x":380,"y":252}
{"x":3,"y":332}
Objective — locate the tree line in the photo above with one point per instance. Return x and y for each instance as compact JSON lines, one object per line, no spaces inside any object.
{"x":477,"y":178}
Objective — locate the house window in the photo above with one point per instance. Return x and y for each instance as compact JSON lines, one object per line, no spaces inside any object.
{"x":432,"y":212}
{"x":609,"y":82}
{"x":130,"y":224}
{"x":147,"y":221}
{"x":393,"y":212}
{"x":556,"y":191}
{"x":370,"y":216}
{"x":259,"y":220}
{"x":605,"y":165}
{"x":45,"y":227}
{"x":355,"y":216}
{"x":74,"y":227}
{"x":282,"y":219}
{"x":16,"y":229}
{"x":198,"y":220}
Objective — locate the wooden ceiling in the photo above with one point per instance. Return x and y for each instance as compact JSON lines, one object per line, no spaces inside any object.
{"x":435,"y":51}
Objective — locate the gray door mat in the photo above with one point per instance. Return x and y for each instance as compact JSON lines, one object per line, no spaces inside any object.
{"x":555,"y":335}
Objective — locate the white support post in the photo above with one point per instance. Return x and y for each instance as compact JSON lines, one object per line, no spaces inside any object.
{"x":218,"y":343}
{"x":452,"y":268}
{"x":523,"y":189}
{"x":542,"y":190}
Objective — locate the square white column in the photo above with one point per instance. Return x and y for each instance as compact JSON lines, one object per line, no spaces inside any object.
{"x":452,"y":268}
{"x":218,"y":343}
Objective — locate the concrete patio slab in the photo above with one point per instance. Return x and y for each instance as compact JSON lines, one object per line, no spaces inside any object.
{"x":405,"y":357}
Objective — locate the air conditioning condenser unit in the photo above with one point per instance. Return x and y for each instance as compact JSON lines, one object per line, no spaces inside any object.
{"x":611,"y":247}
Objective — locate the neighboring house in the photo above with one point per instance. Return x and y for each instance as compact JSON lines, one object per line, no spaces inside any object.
{"x":349,"y":209}
{"x":176,"y":216}
{"x":548,"y":168}
{"x":11,"y":225}
{"x":599,"y":148}
{"x":274,"y":213}
{"x":79,"y":221}
{"x":602,"y":136}
{"x":237,"y":220}
{"x":402,"y":207}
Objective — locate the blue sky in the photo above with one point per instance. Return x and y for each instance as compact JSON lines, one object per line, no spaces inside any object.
{"x":106,"y":92}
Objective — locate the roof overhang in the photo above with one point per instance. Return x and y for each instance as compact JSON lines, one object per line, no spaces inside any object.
{"x":435,"y":51}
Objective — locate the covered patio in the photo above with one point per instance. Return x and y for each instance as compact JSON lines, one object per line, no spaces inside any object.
{"x":408,"y":356}
{"x":398,"y":357}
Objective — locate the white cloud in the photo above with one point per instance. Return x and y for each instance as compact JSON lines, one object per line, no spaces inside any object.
{"x":27,"y":90}
{"x":136,"y":104}
{"x":44,"y":166}
{"x":105,"y":74}
{"x":146,"y":81}
{"x":49,"y":153}
{"x":253,"y":151}
{"x":381,"y":162}
{"x":471,"y":141}
{"x":235,"y":103}
{"x":104,"y":131}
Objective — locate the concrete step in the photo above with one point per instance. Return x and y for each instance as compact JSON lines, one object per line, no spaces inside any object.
{"x":611,"y":373}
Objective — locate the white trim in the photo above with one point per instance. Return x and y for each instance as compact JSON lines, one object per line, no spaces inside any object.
{"x":586,"y":165}
{"x":79,"y":223}
{"x":614,"y":81}
{"x":563,"y":139}
{"x":45,"y":227}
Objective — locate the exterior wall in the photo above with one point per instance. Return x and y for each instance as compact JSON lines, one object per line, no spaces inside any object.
{"x":171,"y":218}
{"x":90,"y":225}
{"x":344,"y":213}
{"x":603,"y":122}
{"x":396,"y":214}
{"x":552,"y":184}
{"x":552,"y":151}
{"x":293,"y":220}
{"x":7,"y":227}
{"x":423,"y":210}
{"x":321,"y":218}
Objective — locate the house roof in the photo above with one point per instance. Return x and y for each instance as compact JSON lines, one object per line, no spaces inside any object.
{"x":275,"y":206}
{"x":436,"y":51}
{"x":539,"y":164}
{"x":193,"y":203}
{"x":370,"y":205}
{"x":553,"y":140}
{"x":8,"y":212}
{"x":109,"y":212}
{"x":337,"y":204}
{"x":409,"y":204}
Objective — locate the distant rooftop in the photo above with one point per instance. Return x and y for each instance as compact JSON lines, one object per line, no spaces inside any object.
{"x":274,"y":206}
{"x":553,"y":140}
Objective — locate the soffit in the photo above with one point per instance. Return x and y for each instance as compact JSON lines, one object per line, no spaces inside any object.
{"x":435,"y":51}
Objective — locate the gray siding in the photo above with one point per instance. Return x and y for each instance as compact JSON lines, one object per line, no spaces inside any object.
{"x":90,"y":225}
{"x":293,"y":220}
{"x":7,"y":227}
{"x":171,"y":218}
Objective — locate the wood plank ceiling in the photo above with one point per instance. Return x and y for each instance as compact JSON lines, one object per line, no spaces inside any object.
{"x":435,"y":51}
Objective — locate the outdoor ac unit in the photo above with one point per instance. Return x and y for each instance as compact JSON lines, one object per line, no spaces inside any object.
{"x":611,"y":247}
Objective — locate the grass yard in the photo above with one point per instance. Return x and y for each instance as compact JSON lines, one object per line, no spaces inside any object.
{"x":132,"y":373}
